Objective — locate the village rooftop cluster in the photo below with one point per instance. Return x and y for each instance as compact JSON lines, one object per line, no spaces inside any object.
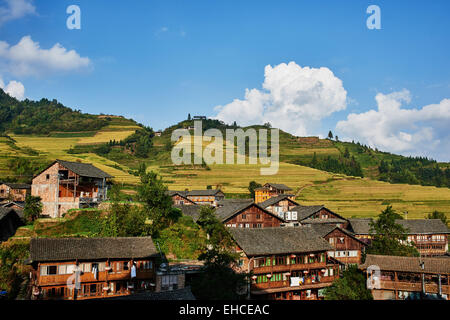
{"x":293,"y":251}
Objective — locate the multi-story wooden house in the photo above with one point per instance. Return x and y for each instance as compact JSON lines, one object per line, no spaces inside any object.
{"x":68,"y":185}
{"x":10,"y":220}
{"x":14,"y":191}
{"x":285,"y":263}
{"x":346,"y":247}
{"x":247,"y":214}
{"x":205,"y":197}
{"x":86,"y":268}
{"x":179,"y":198}
{"x":318,"y":215}
{"x":270,"y":190}
{"x":279,"y":205}
{"x":430,"y":236}
{"x":399,"y":278}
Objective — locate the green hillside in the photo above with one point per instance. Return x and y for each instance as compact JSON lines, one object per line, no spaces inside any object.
{"x":344,"y":176}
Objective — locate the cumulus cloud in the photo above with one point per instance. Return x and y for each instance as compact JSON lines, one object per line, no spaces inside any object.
{"x":14,"y":89}
{"x":28,"y":58}
{"x":16,"y":9}
{"x":293,"y":98}
{"x":400,"y":130}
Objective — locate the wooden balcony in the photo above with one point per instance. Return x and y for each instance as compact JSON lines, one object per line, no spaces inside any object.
{"x":278,"y":286}
{"x":103,"y":276}
{"x":289,"y":267}
{"x":413,"y":286}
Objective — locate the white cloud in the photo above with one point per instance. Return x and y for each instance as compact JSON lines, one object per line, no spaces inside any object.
{"x":293,"y":98}
{"x":395,"y":129}
{"x":14,"y":89}
{"x":16,"y":9}
{"x":28,"y":58}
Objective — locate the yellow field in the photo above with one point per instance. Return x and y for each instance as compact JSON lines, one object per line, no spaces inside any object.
{"x":56,"y":148}
{"x":106,"y":136}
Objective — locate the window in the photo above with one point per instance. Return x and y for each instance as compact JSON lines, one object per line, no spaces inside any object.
{"x":125,"y":265}
{"x":51,"y":270}
{"x":258,"y":216}
{"x":47,"y":177}
{"x":244,"y":216}
{"x":247,"y":225}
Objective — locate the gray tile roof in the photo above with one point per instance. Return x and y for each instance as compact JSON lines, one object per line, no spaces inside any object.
{"x":282,"y":240}
{"x":192,"y":210}
{"x":63,"y":249}
{"x":359,"y":225}
{"x":5,"y":211}
{"x":230,"y":209}
{"x":273,"y":200}
{"x":407,"y":264}
{"x":304,"y":212}
{"x":206,"y":192}
{"x":18,"y":185}
{"x":324,"y":229}
{"x":278,"y":186}
{"x":415,"y":226}
{"x":424,"y":226}
{"x":224,"y":202}
{"x":84,"y":169}
{"x":332,"y":221}
{"x":174,"y":192}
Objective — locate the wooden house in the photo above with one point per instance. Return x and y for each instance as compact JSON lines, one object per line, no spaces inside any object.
{"x":285,"y":263}
{"x":10,"y":220}
{"x":271,"y":190}
{"x":68,"y":185}
{"x":405,"y":278}
{"x":318,"y":215}
{"x":87,"y":268}
{"x":346,"y":247}
{"x":14,"y":191}
{"x":179,"y":198}
{"x":279,"y":205}
{"x":430,"y":236}
{"x":205,"y":197}
{"x":247,"y":214}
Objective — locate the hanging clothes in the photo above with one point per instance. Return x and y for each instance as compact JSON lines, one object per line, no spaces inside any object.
{"x":133,"y":271}
{"x":95,"y":271}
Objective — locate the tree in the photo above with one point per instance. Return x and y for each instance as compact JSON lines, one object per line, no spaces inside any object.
{"x":389,"y":237}
{"x":157,"y":204}
{"x":337,"y":138}
{"x":219,"y":261}
{"x":330,"y":135}
{"x":352,"y":286}
{"x":189,"y":117}
{"x":218,"y":281}
{"x":438,"y":215}
{"x":346,"y":153}
{"x":251,"y":188}
{"x":33,"y":208}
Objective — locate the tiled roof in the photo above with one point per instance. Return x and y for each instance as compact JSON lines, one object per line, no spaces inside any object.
{"x":18,"y":185}
{"x":230,"y":209}
{"x":407,"y":264}
{"x":416,"y":226}
{"x":278,"y":186}
{"x":224,"y":202}
{"x":273,"y":200}
{"x":62,"y":249}
{"x":206,"y":192}
{"x":324,"y":229}
{"x":304,"y":212}
{"x":5,"y":211}
{"x":282,"y":240}
{"x":359,"y":225}
{"x":192,"y":210}
{"x":84,"y":169}
{"x":424,"y":226}
{"x":333,"y":221}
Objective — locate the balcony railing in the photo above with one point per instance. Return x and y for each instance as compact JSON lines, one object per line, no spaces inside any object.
{"x":286,"y":283}
{"x":289,"y":267}
{"x":89,"y":277}
{"x":413,"y":286}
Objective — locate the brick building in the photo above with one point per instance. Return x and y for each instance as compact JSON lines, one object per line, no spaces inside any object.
{"x":68,"y":185}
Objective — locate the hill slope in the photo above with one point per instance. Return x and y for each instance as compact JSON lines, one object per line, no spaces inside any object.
{"x":114,"y":144}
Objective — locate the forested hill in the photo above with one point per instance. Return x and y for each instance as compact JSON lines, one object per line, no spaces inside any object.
{"x":45,"y":116}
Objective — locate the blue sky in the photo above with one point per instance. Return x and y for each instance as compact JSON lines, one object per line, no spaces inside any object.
{"x":157,"y":61}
